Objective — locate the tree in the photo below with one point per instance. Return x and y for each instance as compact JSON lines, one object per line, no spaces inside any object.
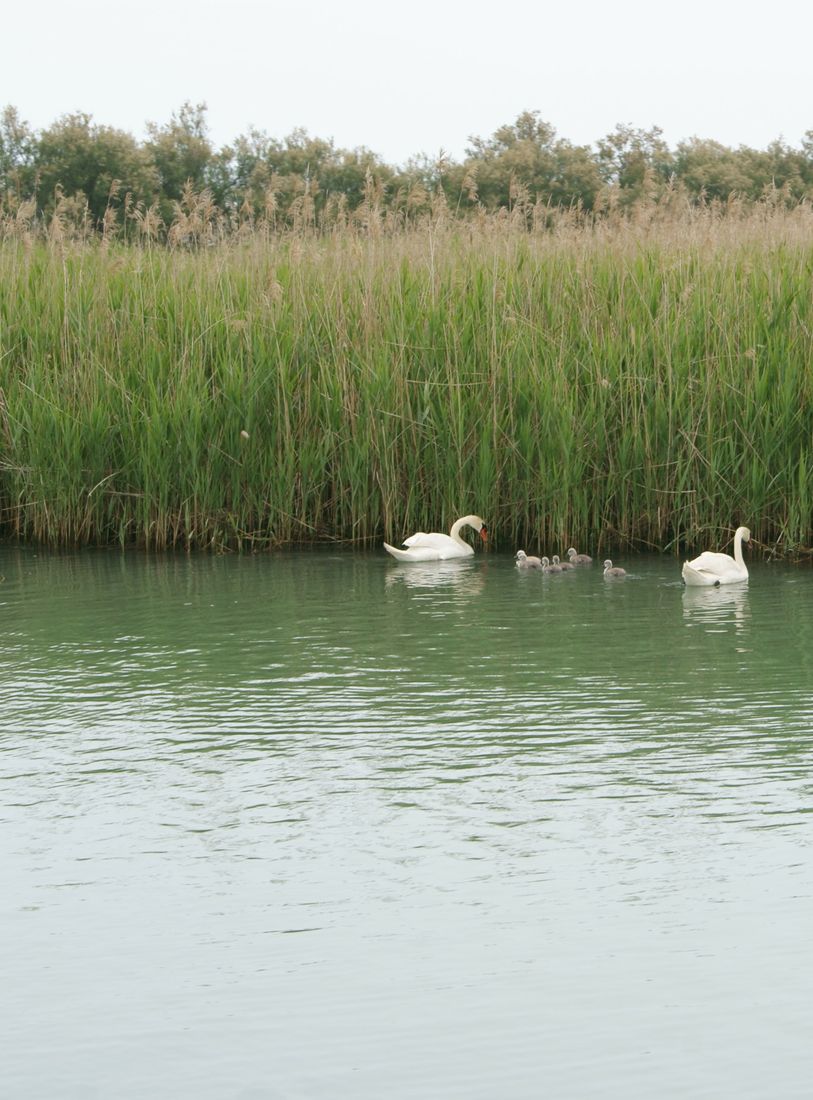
{"x":715,"y":170}
{"x":95,"y":163}
{"x":527,"y":155}
{"x":635,"y":161}
{"x":297,"y":165}
{"x":786,"y":169}
{"x":181,"y":153}
{"x":17,"y":151}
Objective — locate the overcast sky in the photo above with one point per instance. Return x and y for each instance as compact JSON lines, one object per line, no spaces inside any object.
{"x":419,"y":76}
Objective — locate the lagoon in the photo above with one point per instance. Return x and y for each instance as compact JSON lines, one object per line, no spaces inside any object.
{"x":316,"y":824}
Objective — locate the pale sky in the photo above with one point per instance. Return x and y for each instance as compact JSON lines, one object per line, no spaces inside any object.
{"x":416,"y":77}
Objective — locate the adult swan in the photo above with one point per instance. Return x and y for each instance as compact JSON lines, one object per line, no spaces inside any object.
{"x":711,"y":568}
{"x":437,"y":547}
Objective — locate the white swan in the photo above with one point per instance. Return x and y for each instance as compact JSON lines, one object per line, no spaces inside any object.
{"x":437,"y":547}
{"x":527,"y":561}
{"x":711,"y":568}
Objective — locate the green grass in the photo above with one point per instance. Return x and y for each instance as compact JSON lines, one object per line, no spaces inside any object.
{"x":644,"y":386}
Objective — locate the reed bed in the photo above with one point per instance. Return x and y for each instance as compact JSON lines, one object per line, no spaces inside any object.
{"x":640,"y":384}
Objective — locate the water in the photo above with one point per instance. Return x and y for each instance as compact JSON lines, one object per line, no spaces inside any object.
{"x":319,"y":825}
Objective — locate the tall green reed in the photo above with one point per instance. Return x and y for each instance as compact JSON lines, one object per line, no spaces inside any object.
{"x":643,"y":385}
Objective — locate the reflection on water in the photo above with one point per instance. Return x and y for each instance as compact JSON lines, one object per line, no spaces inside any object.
{"x":717,"y":608}
{"x":465,"y":576}
{"x":320,"y":825}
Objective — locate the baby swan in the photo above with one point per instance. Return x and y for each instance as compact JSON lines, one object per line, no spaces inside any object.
{"x":578,"y":559}
{"x":548,"y":568}
{"x":526,"y":561}
{"x":563,"y":565}
{"x":611,"y":570}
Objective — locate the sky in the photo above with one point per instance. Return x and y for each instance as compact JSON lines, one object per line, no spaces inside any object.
{"x":417,"y":78}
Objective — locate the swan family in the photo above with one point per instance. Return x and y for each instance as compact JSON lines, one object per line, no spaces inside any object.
{"x":709,"y":568}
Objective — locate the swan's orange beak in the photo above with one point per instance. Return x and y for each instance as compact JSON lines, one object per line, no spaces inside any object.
{"x":484,"y":533}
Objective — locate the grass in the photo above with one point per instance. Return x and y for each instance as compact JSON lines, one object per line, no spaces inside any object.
{"x":641,"y":384}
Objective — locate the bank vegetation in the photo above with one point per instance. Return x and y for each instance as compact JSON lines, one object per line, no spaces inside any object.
{"x":639,"y":377}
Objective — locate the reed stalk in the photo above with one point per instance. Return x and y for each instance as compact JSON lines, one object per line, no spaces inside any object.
{"x":600,"y":385}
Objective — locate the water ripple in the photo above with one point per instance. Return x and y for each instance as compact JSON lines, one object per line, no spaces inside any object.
{"x":532,"y":808}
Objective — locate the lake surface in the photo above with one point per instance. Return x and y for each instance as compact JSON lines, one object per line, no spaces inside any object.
{"x":320,"y":825}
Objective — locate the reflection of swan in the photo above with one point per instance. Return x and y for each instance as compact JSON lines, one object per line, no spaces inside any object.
{"x":715,"y":605}
{"x":461,"y":575}
{"x":437,"y":547}
{"x":711,"y":568}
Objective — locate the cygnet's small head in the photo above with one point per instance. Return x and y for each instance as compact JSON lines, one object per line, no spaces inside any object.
{"x":521,"y":556}
{"x":608,"y":564}
{"x":546,"y":561}
{"x":571,"y":552}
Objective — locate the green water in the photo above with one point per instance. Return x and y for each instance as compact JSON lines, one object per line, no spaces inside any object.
{"x":320,"y":825}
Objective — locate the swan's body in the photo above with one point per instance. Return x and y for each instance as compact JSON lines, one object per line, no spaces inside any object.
{"x":611,"y":570}
{"x":563,"y":565}
{"x":439,"y":547}
{"x":548,"y":568}
{"x":711,"y":568}
{"x":527,"y":561}
{"x":578,"y":559}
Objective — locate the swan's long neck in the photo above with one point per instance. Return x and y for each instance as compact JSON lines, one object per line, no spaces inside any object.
{"x":466,"y":521}
{"x":457,"y":527}
{"x":738,"y":558}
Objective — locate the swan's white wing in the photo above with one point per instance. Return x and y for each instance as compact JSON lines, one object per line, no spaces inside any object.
{"x":441,"y":546}
{"x":415,"y":553}
{"x":696,"y":578}
{"x":715,"y":563}
{"x":435,"y":540}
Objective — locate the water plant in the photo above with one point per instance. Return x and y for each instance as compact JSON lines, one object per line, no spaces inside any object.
{"x":636,"y":382}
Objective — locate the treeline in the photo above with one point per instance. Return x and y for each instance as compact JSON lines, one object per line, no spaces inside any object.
{"x":104,"y":180}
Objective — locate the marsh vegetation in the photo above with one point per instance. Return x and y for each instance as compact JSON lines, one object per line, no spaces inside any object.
{"x":637,"y":380}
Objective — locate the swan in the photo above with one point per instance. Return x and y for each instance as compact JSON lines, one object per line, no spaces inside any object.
{"x":563,"y":565}
{"x":438,"y":547}
{"x":611,"y":570}
{"x":548,"y":568}
{"x":527,"y":561}
{"x":578,"y":559}
{"x":711,"y":568}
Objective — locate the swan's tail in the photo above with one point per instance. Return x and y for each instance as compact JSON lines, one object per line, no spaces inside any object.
{"x":418,"y":553}
{"x":696,"y":578}
{"x":402,"y":555}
